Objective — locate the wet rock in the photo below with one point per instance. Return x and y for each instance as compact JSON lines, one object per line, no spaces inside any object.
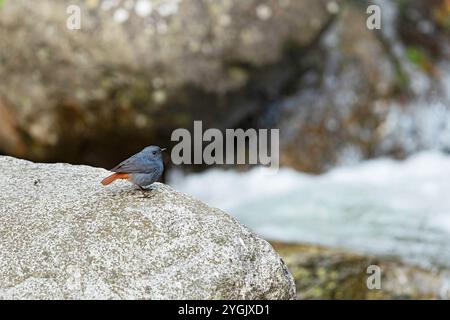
{"x":333,"y":113}
{"x":425,"y":27}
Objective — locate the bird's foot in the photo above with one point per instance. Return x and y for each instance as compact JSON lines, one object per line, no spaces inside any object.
{"x":146,"y":192}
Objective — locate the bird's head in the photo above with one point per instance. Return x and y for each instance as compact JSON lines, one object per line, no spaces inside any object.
{"x":154,"y":152}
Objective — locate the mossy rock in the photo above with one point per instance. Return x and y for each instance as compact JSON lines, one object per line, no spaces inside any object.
{"x":326,"y":273}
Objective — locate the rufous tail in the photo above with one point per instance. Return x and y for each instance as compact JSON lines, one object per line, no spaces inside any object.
{"x":114,"y":177}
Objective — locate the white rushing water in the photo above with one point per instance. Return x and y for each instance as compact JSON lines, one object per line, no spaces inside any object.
{"x":383,"y":206}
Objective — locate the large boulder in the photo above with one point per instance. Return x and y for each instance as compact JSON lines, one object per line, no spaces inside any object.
{"x":64,"y":236}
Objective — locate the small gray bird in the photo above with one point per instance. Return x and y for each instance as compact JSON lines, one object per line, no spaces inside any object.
{"x":142,"y":169}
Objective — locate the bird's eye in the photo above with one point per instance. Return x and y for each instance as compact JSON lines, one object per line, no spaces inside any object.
{"x":154,"y":152}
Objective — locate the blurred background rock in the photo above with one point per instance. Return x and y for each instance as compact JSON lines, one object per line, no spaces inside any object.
{"x":138,"y":69}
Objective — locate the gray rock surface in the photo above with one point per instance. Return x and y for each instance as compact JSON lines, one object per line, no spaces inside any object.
{"x":64,"y":236}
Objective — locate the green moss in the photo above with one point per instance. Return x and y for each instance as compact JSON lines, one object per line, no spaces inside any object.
{"x":415,"y":55}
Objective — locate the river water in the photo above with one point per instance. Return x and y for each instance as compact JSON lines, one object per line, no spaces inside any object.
{"x":381,"y":206}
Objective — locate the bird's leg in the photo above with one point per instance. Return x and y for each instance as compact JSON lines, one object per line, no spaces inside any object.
{"x":146,"y":194}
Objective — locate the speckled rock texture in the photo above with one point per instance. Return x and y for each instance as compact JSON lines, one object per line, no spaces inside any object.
{"x":64,"y":236}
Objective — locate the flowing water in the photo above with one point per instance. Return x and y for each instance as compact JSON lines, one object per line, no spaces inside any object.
{"x":382,"y":206}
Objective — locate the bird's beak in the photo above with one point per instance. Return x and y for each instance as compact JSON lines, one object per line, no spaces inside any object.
{"x":163,"y":149}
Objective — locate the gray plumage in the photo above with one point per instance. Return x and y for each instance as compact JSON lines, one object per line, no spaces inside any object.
{"x":144,"y":168}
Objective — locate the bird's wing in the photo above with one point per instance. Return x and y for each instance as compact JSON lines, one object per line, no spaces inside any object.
{"x":134,"y":164}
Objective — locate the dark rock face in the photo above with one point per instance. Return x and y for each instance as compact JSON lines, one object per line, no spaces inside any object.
{"x":136,"y":71}
{"x":426,"y":25}
{"x":132,"y":74}
{"x":333,"y":109}
{"x":356,"y":81}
